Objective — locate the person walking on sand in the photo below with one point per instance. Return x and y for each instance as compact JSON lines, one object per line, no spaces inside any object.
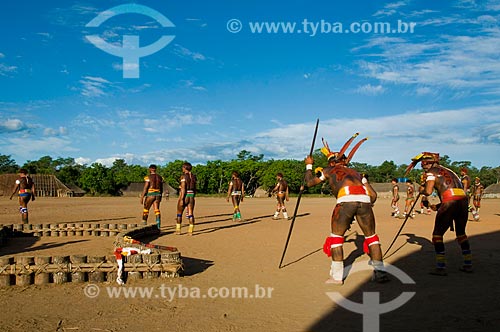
{"x":151,"y":195}
{"x":355,"y":197}
{"x":477,"y":192}
{"x":236,"y":191}
{"x":281,"y":191}
{"x":187,"y":195}
{"x":424,"y":200}
{"x":25,"y":188}
{"x":451,"y":212}
{"x":395,"y":198}
{"x":410,"y":198}
{"x":466,"y":183}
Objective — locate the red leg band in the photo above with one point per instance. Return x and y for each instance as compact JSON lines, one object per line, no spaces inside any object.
{"x":332,"y":241}
{"x":369,"y":240}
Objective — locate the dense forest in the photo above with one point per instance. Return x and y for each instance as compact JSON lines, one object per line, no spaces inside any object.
{"x":213,"y":177}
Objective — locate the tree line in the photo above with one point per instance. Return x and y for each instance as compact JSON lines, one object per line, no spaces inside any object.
{"x":213,"y":177}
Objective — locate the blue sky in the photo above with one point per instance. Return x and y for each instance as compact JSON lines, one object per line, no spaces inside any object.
{"x":211,"y":92}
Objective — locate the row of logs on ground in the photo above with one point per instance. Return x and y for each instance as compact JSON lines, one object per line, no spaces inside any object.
{"x":39,"y":270}
{"x":67,"y":229}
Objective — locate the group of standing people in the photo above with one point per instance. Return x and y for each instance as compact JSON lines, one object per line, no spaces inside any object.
{"x":236,"y":191}
{"x":474,"y":191}
{"x":153,"y":192}
{"x":355,"y":199}
{"x":409,"y":201}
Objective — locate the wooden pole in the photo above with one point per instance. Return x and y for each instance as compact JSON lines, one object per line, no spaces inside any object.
{"x":112,"y":275}
{"x":77,"y":275}
{"x":25,"y":276}
{"x":96,"y":276}
{"x":61,"y":276}
{"x":42,"y":277}
{"x":132,"y":274}
{"x":151,"y":260}
{"x":5,"y":276}
{"x":298,"y":198}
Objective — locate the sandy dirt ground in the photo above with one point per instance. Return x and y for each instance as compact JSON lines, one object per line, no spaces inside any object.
{"x":223,"y":258}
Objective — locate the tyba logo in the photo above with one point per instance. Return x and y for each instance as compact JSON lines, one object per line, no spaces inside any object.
{"x":371,"y":308}
{"x":130,"y":51}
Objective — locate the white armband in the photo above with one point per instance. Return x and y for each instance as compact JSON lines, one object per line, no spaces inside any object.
{"x":364,"y":180}
{"x":309,"y":167}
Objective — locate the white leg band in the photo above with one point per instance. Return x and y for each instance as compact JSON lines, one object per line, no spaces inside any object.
{"x":337,"y":270}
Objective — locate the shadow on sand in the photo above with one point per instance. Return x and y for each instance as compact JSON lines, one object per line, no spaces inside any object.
{"x":194,"y":266}
{"x":456,"y":302}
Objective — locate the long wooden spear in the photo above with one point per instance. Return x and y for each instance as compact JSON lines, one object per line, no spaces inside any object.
{"x":298,"y":198}
{"x":402,"y":225}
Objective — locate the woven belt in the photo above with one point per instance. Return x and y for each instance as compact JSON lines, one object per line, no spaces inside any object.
{"x":453,"y":194}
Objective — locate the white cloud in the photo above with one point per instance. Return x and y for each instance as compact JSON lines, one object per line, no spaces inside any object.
{"x":83,"y":161}
{"x":95,"y":122}
{"x":35,"y":147}
{"x":6,"y":69}
{"x":12,"y":125}
{"x":175,"y":119}
{"x":422,"y":91}
{"x":45,"y":35}
{"x":370,"y":90}
{"x":186,"y":53}
{"x":108,"y":162}
{"x":94,"y":86}
{"x":391,"y":8}
{"x":191,"y":84}
{"x":466,"y":63}
{"x":55,"y":132}
{"x":463,"y":134}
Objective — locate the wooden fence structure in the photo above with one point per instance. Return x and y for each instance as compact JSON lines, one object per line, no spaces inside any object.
{"x":161,"y":262}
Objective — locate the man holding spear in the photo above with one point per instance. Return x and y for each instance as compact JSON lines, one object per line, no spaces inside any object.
{"x":453,"y":208}
{"x":355,"y":197}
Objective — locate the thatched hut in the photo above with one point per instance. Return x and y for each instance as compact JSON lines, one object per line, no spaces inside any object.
{"x":46,"y":185}
{"x":492,"y":191}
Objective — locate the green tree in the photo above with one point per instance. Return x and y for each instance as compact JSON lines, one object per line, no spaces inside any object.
{"x":47,"y":165}
{"x":445,"y":161}
{"x":7,"y":165}
{"x":488,"y":175}
{"x":386,"y":171}
{"x":213,"y":177}
{"x":248,"y":166}
{"x":292,"y":170}
{"x":70,"y":174}
{"x":97,"y":180}
{"x":44,"y":165}
{"x":246,"y":155}
{"x":172,"y":172}
{"x":124,"y":174}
